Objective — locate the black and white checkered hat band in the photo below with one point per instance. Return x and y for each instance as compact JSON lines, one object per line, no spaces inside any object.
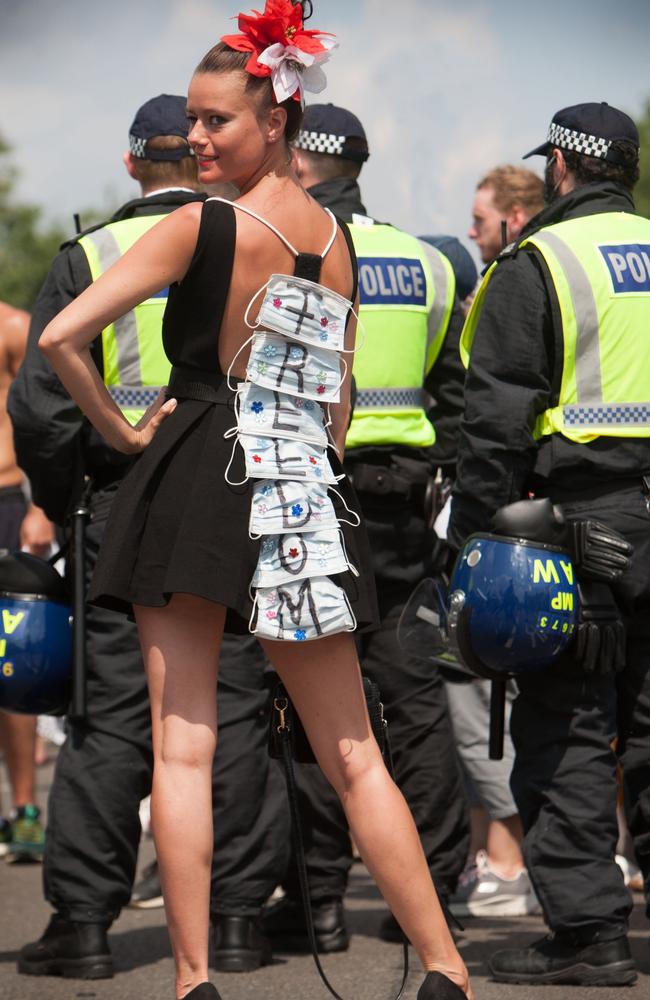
{"x":321,"y":142}
{"x":580,"y":142}
{"x":138,"y":147}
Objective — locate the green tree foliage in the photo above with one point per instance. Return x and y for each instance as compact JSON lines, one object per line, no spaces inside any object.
{"x":642,"y":190}
{"x":26,"y":247}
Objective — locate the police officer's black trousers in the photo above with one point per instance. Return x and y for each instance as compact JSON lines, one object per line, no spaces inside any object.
{"x":426,"y":765}
{"x":104,"y":769}
{"x":564,"y":777}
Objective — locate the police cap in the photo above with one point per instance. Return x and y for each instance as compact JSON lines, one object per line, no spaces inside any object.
{"x":162,"y":115}
{"x":589,"y":129}
{"x":329,"y":129}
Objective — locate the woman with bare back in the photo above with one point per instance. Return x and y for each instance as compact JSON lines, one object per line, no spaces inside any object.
{"x":229,"y":517}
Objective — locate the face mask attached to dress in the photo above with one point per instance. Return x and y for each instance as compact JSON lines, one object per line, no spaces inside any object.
{"x":304,"y":311}
{"x":294,"y":556}
{"x":302,"y":610}
{"x":297,"y":369}
{"x":285,"y":505}
{"x":279,"y":458}
{"x":267,"y":411}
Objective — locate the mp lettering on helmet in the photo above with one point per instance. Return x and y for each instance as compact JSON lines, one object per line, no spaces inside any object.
{"x":398,"y":281}
{"x":629,"y":266}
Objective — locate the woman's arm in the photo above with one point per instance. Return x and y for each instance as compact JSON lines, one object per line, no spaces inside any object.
{"x":340,"y":412}
{"x":159,"y":258}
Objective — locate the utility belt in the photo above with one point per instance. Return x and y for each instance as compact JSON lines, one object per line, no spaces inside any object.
{"x":596,"y":490}
{"x":402,"y":479}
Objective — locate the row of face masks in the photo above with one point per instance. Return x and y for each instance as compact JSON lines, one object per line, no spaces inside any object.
{"x":304,"y":311}
{"x":302,"y":610}
{"x":295,"y":556}
{"x":281,"y":429}
{"x":297,"y":369}
{"x":286,"y":505}
{"x":267,"y":411}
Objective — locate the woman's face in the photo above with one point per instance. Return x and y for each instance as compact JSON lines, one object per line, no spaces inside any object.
{"x":230,"y":141}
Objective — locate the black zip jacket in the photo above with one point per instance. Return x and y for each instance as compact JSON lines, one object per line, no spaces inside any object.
{"x":514,"y":375}
{"x":55,"y":445}
{"x":444,"y":382}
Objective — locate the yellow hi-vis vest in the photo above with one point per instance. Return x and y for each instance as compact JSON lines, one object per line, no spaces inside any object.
{"x":600,"y":268}
{"x":399,"y":285}
{"x":135,"y":365}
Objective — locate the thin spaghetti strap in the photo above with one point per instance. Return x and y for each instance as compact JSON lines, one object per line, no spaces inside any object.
{"x":335,"y":229}
{"x":269,"y":225}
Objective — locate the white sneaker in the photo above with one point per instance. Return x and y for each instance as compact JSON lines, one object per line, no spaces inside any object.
{"x":482,"y":892}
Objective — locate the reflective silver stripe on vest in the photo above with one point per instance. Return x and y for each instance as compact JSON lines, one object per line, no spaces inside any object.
{"x":589,"y":386}
{"x":389,"y":399}
{"x":441,"y":290}
{"x":133,"y":397}
{"x":126,"y":337}
{"x":610,"y":414}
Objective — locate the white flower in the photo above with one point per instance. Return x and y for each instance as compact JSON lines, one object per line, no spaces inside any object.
{"x":294,"y":70}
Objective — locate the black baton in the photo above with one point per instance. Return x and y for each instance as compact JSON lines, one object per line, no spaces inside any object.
{"x":497,"y":719}
{"x":80,"y":517}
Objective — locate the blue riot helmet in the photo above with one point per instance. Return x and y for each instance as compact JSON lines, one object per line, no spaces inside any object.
{"x":512,"y":605}
{"x":35,"y":636}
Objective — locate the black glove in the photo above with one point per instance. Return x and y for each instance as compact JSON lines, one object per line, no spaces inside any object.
{"x":600,"y":636}
{"x":598,"y":552}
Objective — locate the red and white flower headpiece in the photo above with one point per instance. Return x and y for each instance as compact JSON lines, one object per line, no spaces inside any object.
{"x":282,"y":48}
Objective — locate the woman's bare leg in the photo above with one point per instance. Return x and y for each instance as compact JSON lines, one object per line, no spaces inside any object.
{"x":180,"y":646}
{"x":324,"y":682}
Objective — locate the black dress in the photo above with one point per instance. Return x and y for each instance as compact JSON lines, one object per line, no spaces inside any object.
{"x":177,"y":525}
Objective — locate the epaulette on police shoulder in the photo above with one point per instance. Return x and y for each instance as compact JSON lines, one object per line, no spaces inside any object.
{"x":509,"y":251}
{"x":70,"y":242}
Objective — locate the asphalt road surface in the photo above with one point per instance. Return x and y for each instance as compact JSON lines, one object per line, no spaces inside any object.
{"x":371,"y":970}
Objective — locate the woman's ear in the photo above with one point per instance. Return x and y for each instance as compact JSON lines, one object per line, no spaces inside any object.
{"x":277,"y":121}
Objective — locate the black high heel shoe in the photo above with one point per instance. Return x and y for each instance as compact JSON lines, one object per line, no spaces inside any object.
{"x":439,"y":987}
{"x":204,"y":991}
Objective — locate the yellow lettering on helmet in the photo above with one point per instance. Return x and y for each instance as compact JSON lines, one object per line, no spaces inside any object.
{"x":3,"y":647}
{"x":567,"y":567}
{"x":562,"y":602}
{"x":8,"y":669}
{"x":547,"y":572}
{"x":11,"y":622}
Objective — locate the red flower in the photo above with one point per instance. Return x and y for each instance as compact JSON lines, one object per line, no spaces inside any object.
{"x":281,"y":22}
{"x":314,"y":461}
{"x":293,"y":553}
{"x":324,"y":321}
{"x":257,"y":458}
{"x":277,"y":302}
{"x":321,"y":389}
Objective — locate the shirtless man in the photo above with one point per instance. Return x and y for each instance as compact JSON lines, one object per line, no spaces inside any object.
{"x":22,"y":525}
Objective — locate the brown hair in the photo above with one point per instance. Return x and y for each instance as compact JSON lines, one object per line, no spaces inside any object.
{"x":515,"y":186}
{"x":593,"y":169}
{"x":166,"y":173}
{"x":222,"y":59}
{"x":327,"y":166}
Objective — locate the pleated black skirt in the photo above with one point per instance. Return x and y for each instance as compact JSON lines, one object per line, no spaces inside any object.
{"x":177,"y":526}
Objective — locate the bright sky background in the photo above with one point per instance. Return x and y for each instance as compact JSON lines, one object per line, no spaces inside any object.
{"x":445,"y":89}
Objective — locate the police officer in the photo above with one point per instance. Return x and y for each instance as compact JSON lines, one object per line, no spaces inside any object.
{"x":408,"y":342}
{"x":557,"y":405}
{"x":104,"y":768}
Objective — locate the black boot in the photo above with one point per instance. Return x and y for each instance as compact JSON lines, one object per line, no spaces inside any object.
{"x":239,"y":944}
{"x":284,"y":923}
{"x":72,"y":950}
{"x":439,"y":987}
{"x":563,"y":958}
